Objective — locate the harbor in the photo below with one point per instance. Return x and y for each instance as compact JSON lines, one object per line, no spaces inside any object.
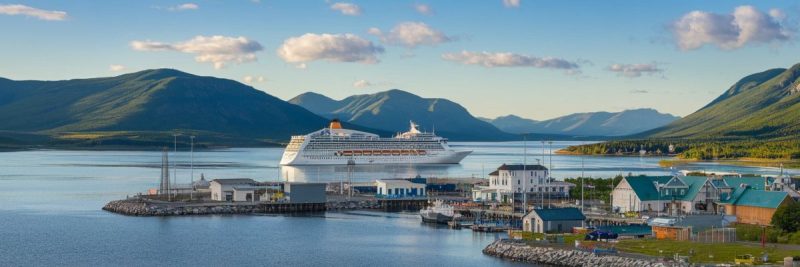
{"x":362,"y":208}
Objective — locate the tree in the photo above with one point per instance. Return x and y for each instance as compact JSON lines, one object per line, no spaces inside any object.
{"x":787,"y":217}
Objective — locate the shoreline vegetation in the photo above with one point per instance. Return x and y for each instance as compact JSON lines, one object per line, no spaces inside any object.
{"x":750,"y":152}
{"x":126,"y":140}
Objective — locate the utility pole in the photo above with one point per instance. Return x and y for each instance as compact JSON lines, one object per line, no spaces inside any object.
{"x":546,"y":173}
{"x":550,"y":174}
{"x":524,"y":173}
{"x":582,"y":187}
{"x":191,"y":181}
{"x":175,"y":166}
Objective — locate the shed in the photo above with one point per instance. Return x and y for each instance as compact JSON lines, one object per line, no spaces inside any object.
{"x":305,"y":192}
{"x":558,"y":220}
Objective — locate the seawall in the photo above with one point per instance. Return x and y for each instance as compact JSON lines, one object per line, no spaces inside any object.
{"x":521,"y":252}
{"x":147,"y":207}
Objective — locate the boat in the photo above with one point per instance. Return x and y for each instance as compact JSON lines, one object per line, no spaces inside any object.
{"x":335,"y":145}
{"x":439,"y":212}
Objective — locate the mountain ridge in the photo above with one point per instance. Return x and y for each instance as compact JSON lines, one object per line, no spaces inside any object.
{"x":152,"y":101}
{"x":391,"y":110}
{"x":601,"y":123}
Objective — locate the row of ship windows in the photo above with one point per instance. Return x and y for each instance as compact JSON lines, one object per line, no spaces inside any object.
{"x":392,"y":158}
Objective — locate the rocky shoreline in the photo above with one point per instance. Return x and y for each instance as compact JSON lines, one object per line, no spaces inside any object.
{"x":522,"y":252}
{"x":141,"y":207}
{"x":146,"y":207}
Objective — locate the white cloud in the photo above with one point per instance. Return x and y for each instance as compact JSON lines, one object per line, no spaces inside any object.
{"x":218,"y":50}
{"x":506,"y":59}
{"x":635,"y":70}
{"x":362,"y":84}
{"x":423,"y":9}
{"x":184,"y":6}
{"x":730,"y":31}
{"x":511,"y":3}
{"x":116,"y":68}
{"x":411,"y":35}
{"x":32,"y":12}
{"x":349,"y":9}
{"x":253,"y":79}
{"x":331,"y":47}
{"x":375,"y":31}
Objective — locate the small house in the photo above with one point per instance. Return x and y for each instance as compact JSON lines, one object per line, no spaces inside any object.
{"x":557,"y":220}
{"x":223,"y":189}
{"x":239,"y":190}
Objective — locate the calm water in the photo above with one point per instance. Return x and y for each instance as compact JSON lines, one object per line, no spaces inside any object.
{"x":50,"y":211}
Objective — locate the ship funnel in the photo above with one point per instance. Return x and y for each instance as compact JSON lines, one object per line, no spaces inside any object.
{"x":335,"y":124}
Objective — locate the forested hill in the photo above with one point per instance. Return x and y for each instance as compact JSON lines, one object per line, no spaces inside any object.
{"x":757,"y":117}
{"x":151,"y":103}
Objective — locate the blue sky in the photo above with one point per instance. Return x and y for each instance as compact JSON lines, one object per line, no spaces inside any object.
{"x":536,"y":59}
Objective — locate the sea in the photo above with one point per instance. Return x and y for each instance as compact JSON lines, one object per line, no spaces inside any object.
{"x":50,"y":209}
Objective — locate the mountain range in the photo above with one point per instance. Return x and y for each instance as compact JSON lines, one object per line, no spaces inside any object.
{"x":622,"y":123}
{"x":392,"y":110}
{"x":757,"y":117}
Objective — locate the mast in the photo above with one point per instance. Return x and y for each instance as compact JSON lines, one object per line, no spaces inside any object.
{"x":524,"y":173}
{"x":175,"y":166}
{"x":550,"y":174}
{"x":583,"y":223}
{"x":191,"y":181}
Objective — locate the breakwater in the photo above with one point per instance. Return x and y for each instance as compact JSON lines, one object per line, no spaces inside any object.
{"x":522,"y":252}
{"x":143,"y":207}
{"x":148,"y":207}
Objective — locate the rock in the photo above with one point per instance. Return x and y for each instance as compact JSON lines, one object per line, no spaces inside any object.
{"x":520,"y":251}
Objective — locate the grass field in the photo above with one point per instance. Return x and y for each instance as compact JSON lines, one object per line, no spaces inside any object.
{"x":703,"y":252}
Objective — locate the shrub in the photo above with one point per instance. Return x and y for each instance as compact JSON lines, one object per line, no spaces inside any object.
{"x":787,"y":218}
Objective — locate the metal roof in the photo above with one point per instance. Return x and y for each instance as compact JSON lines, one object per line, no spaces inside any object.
{"x":234,"y":181}
{"x":760,"y":198}
{"x":560,"y":214}
{"x":520,"y":167}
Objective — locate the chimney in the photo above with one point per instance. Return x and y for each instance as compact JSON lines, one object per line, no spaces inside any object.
{"x":335,"y":124}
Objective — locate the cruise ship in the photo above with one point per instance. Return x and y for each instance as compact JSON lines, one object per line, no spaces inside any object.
{"x":337,"y":146}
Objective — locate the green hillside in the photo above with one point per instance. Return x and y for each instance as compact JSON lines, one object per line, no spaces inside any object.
{"x":391,"y":111}
{"x":148,"y":105}
{"x":757,"y":117}
{"x":762,"y":105}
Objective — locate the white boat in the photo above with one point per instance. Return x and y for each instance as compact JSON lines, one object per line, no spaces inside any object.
{"x":439,"y":213}
{"x":337,"y":146}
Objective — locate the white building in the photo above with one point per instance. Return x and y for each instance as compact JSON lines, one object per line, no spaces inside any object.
{"x":239,"y":190}
{"x":399,"y":188}
{"x":518,"y":178}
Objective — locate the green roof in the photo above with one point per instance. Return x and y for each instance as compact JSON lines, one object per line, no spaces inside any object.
{"x":560,"y":214}
{"x":695,"y":183}
{"x":753,"y":182}
{"x":751,"y":195}
{"x":644,"y":188}
{"x":760,"y":198}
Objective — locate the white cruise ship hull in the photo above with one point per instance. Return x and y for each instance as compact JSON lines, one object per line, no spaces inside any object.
{"x":444,"y":157}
